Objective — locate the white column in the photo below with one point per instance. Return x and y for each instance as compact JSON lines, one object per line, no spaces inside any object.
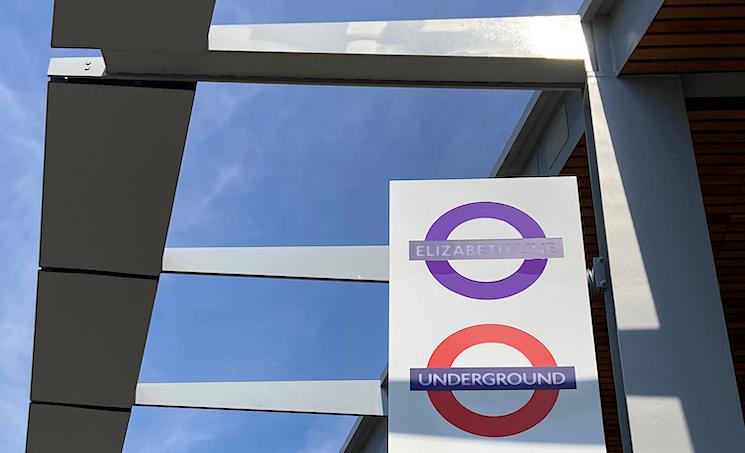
{"x":674,"y":366}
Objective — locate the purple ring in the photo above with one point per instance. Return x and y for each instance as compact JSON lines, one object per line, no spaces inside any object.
{"x":519,"y":281}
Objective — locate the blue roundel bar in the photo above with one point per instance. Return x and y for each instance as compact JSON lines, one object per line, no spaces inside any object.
{"x":516,"y":378}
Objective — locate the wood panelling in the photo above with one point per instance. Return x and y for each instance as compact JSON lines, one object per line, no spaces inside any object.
{"x":577,"y":166}
{"x":692,"y":36}
{"x":718,"y":133}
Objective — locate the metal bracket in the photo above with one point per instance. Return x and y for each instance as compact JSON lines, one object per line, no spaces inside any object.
{"x":597,"y":277}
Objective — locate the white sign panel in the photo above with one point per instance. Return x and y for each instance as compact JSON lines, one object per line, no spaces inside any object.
{"x":491,"y":345}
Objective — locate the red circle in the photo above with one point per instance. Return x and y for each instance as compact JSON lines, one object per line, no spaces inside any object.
{"x":532,"y":413}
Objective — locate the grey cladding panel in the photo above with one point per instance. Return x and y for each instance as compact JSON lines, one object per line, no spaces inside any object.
{"x":63,"y":429}
{"x":369,"y":435}
{"x":110,"y":169}
{"x":90,"y":337}
{"x":380,"y":436}
{"x":172,"y":25}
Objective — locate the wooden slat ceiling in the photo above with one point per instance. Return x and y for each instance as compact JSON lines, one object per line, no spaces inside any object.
{"x":690,"y":36}
{"x":718,"y":133}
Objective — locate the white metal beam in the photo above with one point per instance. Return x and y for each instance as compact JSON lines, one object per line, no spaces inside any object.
{"x":509,"y":37}
{"x":614,"y":37}
{"x":664,"y":296}
{"x":542,"y":52}
{"x":351,"y":263}
{"x":592,"y":8}
{"x":363,"y":397}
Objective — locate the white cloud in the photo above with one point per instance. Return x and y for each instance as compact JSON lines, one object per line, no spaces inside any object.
{"x":169,"y":431}
{"x":220,"y":157}
{"x":319,"y":442}
{"x":226,"y":176}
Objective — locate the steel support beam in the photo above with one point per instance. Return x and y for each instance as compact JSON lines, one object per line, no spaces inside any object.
{"x":614,"y":29}
{"x":518,"y":52}
{"x":314,"y":397}
{"x":355,"y":263}
{"x":675,"y":374}
{"x":615,"y":36}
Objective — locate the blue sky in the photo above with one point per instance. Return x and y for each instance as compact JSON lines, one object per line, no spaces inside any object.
{"x":263,"y":165}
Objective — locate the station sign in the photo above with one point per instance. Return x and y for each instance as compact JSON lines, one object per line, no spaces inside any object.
{"x":491,"y":344}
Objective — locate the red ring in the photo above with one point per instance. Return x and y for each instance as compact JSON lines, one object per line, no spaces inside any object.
{"x":532,"y":413}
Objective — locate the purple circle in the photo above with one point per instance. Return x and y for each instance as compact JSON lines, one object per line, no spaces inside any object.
{"x":519,"y":281}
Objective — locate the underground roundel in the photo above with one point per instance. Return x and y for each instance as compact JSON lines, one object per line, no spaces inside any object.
{"x":544,"y":377}
{"x":534,"y":248}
